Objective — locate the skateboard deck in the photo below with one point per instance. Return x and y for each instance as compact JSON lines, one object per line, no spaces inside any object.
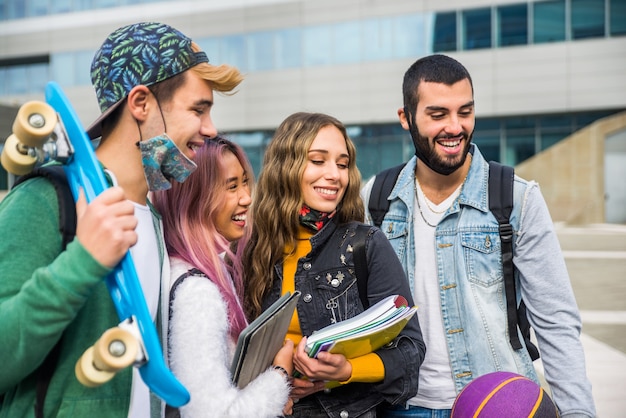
{"x":84,"y":171}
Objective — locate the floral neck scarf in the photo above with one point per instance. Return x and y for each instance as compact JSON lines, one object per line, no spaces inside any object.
{"x":314,"y":219}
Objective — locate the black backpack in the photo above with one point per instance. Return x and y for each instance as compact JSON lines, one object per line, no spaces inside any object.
{"x":67,"y":207}
{"x":501,"y":205}
{"x":67,"y":227}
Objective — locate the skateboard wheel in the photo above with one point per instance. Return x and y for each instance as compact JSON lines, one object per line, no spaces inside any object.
{"x":15,"y":158}
{"x":88,"y":374}
{"x":115,"y":350}
{"x":34,"y":123}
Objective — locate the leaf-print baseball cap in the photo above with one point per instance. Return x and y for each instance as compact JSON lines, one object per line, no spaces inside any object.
{"x":143,"y":53}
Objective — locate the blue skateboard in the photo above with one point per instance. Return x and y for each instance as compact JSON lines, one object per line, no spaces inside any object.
{"x":38,"y":131}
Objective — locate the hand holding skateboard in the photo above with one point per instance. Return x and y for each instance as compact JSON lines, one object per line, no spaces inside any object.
{"x":46,"y":131}
{"x":106,"y":226}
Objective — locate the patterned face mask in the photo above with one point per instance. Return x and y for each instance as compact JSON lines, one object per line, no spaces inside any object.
{"x":163,"y":161}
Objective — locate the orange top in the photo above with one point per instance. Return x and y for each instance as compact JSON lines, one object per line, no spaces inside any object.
{"x":368,"y":368}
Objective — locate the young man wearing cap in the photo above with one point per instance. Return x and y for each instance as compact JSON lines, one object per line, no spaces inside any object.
{"x":155,"y":89}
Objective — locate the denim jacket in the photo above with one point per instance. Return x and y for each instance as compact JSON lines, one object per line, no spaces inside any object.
{"x":327,"y":281}
{"x":472,"y":296}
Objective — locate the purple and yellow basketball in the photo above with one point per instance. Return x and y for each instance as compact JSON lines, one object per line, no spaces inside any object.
{"x":503,"y":394}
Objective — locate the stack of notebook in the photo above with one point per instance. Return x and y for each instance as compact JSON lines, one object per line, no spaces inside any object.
{"x":364,"y":333}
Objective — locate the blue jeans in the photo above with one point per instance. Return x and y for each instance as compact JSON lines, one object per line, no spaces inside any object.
{"x":310,"y":408}
{"x":400,"y":411}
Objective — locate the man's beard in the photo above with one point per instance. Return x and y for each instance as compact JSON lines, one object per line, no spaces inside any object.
{"x":427,"y":154}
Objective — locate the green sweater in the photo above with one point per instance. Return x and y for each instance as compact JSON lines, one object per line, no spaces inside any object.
{"x":47,"y":295}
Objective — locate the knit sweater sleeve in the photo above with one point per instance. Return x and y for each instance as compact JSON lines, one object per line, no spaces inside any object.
{"x":200,"y":358}
{"x":42,"y":288}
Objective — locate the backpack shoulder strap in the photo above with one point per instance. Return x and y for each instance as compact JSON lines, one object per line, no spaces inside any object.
{"x":384,"y":181}
{"x":501,"y":205}
{"x":170,"y":411}
{"x":501,"y":191}
{"x":67,"y":227}
{"x":67,"y":207}
{"x":191,"y":272}
{"x":360,"y":262}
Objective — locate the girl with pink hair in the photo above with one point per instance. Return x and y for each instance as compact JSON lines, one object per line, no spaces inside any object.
{"x":202,"y":219}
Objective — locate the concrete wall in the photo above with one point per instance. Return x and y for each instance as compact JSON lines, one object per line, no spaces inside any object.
{"x":614,"y":175}
{"x":571,"y":173}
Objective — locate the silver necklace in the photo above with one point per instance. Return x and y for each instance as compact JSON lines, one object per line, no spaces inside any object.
{"x":438,"y":212}
{"x":419,"y":206}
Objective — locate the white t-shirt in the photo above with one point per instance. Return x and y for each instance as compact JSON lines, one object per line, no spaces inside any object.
{"x":148,"y":265}
{"x":147,"y":259}
{"x":436,"y":386}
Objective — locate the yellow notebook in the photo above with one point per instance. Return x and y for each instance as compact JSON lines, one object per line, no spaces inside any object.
{"x":364,"y":333}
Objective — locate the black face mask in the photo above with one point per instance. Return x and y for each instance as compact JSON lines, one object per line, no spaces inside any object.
{"x":427,"y":154}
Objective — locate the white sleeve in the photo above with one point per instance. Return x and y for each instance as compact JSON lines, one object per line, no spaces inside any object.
{"x":199,"y":357}
{"x":366,"y":190}
{"x":552,"y":308}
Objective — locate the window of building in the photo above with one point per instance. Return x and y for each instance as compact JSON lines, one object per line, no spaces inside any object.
{"x":520,"y":142}
{"x":587,"y":19}
{"x":260,"y":51}
{"x":38,"y":76}
{"x":63,"y":69}
{"x":233,"y":51}
{"x":83,"y":67}
{"x":519,"y":147}
{"x":549,"y":21}
{"x":477,"y":28}
{"x":377,"y":153}
{"x":78,"y":5}
{"x":409,"y":40}
{"x":103,"y":4}
{"x":317,"y":46}
{"x":520,"y":122}
{"x":4,"y":183}
{"x":60,"y":6}
{"x":288,"y":48}
{"x":555,"y":122}
{"x":550,"y":138}
{"x":4,"y":85}
{"x":377,"y":39}
{"x":512,"y":25}
{"x":211,"y":46}
{"x":16,"y":80}
{"x":489,"y":144}
{"x":37,"y":8}
{"x":583,"y":119}
{"x":618,"y":17}
{"x":445,"y":32}
{"x":380,"y":146}
{"x":487,"y":137}
{"x":487,"y":124}
{"x":254,"y":143}
{"x":346,"y":42}
{"x":10,"y":9}
{"x":24,"y":75}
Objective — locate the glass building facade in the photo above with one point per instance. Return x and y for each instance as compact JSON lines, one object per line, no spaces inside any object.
{"x":506,"y":139}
